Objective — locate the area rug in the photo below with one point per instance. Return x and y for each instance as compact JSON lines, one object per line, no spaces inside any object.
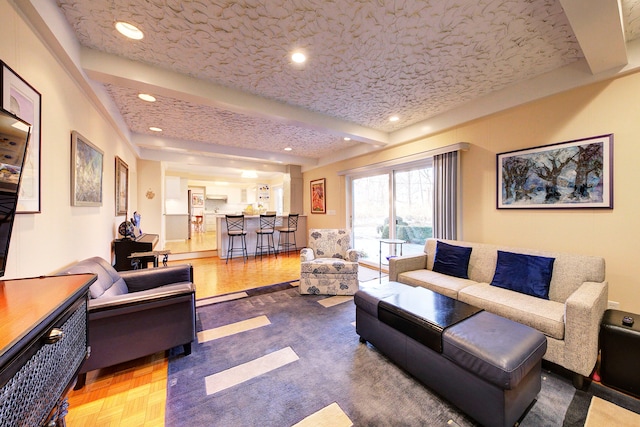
{"x":366,"y":274}
{"x":285,"y":359}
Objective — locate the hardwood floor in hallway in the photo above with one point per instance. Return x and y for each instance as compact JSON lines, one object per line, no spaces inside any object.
{"x":134,"y":393}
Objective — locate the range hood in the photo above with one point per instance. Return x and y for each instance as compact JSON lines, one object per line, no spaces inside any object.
{"x":217,"y":197}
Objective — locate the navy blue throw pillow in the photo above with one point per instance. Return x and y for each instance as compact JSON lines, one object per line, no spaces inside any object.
{"x":527,"y":274}
{"x":452,"y":260}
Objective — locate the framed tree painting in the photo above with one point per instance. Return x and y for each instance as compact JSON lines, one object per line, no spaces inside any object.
{"x":122,"y":187}
{"x":572,"y":174}
{"x":318,"y":196}
{"x":24,"y":101}
{"x":86,"y":172}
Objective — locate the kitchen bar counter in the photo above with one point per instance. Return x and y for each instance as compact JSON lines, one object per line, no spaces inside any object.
{"x":251,"y":224}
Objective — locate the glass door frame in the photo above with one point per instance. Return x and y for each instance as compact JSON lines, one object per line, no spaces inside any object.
{"x":390,"y":170}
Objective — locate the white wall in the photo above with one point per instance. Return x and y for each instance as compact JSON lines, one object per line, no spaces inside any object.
{"x":60,"y":234}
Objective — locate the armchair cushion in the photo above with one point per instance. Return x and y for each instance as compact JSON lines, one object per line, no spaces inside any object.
{"x":329,"y":266}
{"x":330,"y":243}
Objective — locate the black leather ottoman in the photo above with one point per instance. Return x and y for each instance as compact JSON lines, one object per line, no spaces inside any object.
{"x":486,"y":365}
{"x":620,"y":352}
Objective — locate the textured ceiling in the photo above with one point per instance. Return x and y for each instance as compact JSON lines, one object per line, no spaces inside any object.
{"x":368,"y":60}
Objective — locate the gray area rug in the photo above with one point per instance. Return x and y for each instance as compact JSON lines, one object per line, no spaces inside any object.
{"x":333,"y":366}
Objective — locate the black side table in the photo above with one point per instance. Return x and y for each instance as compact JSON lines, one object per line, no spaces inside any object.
{"x":620,"y":351}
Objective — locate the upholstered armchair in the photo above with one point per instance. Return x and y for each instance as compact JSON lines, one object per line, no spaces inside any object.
{"x":328,"y":266}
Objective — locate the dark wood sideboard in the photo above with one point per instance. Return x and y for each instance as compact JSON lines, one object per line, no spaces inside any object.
{"x":43,"y":342}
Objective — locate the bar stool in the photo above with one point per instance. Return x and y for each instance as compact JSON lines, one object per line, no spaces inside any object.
{"x":235,"y":228}
{"x":266,"y":228}
{"x":290,"y":228}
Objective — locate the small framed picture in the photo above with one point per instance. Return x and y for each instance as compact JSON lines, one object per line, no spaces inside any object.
{"x":86,"y":172}
{"x":318,"y":196}
{"x":122,"y":187}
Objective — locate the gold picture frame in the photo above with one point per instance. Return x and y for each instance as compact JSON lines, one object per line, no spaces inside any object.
{"x":318,"y":196}
{"x":122,"y":187}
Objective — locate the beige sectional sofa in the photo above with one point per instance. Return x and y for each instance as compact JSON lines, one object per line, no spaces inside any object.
{"x":570,"y":318}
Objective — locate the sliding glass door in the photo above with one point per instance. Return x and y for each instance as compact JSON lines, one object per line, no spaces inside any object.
{"x":392,"y":204}
{"x":370,"y":211}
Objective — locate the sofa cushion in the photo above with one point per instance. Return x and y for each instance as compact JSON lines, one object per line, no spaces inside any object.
{"x":523,"y":273}
{"x":109,"y":283}
{"x":544,"y":315}
{"x":441,"y":283}
{"x":452,"y":260}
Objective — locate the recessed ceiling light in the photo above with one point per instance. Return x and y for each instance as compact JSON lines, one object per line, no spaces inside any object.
{"x":288,"y":149}
{"x":298,"y":57}
{"x":346,"y":138}
{"x":394,"y":118}
{"x":155,"y":129}
{"x":129,"y":30}
{"x":147,"y":97}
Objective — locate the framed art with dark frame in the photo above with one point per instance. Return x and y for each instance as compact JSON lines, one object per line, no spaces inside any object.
{"x":21,"y":99}
{"x":571,"y":174}
{"x":318,"y":196}
{"x":86,"y":172}
{"x":122,"y":187}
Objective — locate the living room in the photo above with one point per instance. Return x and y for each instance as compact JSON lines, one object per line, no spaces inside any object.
{"x":61,"y":234}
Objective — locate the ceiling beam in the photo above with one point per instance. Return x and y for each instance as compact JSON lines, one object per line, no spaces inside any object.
{"x":107,"y":68}
{"x":170,"y":146}
{"x":598,"y":27}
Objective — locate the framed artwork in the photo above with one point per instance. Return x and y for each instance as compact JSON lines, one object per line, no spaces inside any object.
{"x":86,"y":172}
{"x":122,"y":187}
{"x":24,"y":101}
{"x":197,"y":199}
{"x":318,"y":196}
{"x":572,"y":174}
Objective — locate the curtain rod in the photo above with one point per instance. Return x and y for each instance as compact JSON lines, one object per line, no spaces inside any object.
{"x":460,"y":146}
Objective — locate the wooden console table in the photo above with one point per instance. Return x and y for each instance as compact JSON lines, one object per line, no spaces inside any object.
{"x":43,"y":342}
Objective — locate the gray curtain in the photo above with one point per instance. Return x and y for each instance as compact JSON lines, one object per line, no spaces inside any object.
{"x":445,"y":206}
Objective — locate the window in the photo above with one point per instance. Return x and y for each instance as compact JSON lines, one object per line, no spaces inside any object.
{"x":395,"y":203}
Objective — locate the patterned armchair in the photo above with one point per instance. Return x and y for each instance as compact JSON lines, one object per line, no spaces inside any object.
{"x":328,"y":266}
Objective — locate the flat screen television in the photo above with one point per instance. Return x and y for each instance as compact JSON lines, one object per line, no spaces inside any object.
{"x":14,"y":138}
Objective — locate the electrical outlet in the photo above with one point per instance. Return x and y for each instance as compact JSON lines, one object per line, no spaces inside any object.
{"x":614,"y":305}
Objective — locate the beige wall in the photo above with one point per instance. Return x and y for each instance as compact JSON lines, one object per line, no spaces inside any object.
{"x":609,"y":107}
{"x":42,"y":243}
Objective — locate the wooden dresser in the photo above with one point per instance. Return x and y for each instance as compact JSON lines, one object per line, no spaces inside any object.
{"x":43,"y":342}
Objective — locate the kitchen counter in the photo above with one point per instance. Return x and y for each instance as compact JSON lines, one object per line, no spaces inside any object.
{"x":251,"y":224}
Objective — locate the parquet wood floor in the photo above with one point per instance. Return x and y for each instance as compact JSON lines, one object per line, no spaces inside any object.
{"x":134,"y":393}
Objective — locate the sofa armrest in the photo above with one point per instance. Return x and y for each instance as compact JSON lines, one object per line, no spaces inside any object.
{"x":307,"y":254}
{"x":401,"y":264}
{"x":149,"y":278}
{"x":583,"y":314}
{"x":167,"y":292}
